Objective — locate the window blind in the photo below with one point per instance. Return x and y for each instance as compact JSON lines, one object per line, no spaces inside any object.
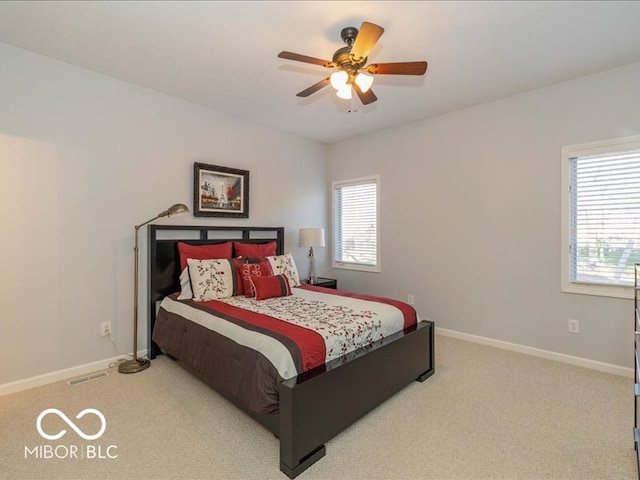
{"x":356,"y":222}
{"x":605,"y":218}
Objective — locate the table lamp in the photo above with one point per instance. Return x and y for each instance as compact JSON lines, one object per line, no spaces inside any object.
{"x":311,"y":237}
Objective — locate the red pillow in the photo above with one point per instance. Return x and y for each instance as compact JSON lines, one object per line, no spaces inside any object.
{"x":246,"y":267}
{"x":203,"y":252}
{"x":270,"y":287}
{"x":254,"y":249}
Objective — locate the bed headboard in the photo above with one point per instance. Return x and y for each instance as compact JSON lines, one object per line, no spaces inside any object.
{"x":164,"y":261}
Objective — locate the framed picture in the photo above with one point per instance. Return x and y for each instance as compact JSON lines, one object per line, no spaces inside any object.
{"x":220,"y":191}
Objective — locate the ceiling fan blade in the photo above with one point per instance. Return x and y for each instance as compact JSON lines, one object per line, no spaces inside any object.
{"x":367,"y":37}
{"x":306,"y":59}
{"x":314,"y":88}
{"x":399,"y":68}
{"x":365,"y":97}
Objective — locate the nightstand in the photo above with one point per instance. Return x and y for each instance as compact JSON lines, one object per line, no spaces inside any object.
{"x":326,"y":282}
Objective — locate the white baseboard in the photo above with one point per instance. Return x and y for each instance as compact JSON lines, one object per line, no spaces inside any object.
{"x":61,"y":375}
{"x":68,"y":373}
{"x":537,"y":352}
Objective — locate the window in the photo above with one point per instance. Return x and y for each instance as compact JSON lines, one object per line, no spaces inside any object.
{"x":355,"y":224}
{"x":601,"y":217}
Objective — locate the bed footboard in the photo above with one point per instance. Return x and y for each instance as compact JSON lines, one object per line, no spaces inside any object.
{"x":314,"y":408}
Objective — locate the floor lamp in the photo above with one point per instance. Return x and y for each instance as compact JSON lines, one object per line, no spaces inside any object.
{"x":311,"y":237}
{"x":138,"y":364}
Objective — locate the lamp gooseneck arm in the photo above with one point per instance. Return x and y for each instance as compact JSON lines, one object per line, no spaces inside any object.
{"x":163,"y":214}
{"x":173,"y":210}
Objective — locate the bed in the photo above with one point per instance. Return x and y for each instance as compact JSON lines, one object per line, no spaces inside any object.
{"x":304,"y":402}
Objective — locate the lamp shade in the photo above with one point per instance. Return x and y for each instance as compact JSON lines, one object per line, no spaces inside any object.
{"x":177,"y":208}
{"x":345,"y":92}
{"x":339,"y":79}
{"x":364,"y":81}
{"x":311,"y":237}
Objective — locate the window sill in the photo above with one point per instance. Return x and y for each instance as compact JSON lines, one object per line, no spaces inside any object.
{"x":356,"y":267}
{"x":597,"y":290}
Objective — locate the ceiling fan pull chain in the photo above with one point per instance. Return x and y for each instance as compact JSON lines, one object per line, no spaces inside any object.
{"x":353,"y":107}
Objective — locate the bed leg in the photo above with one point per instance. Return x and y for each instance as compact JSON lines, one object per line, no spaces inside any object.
{"x":300,"y":446}
{"x":423,"y":376}
{"x":305,"y":462}
{"x":154,"y":351}
{"x":432,"y":355}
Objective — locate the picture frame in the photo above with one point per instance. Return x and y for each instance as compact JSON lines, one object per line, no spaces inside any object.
{"x":220,"y":191}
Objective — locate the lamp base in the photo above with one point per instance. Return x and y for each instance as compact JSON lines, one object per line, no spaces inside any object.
{"x":134,"y":366}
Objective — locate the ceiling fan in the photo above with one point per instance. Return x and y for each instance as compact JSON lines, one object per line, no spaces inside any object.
{"x":350,"y":63}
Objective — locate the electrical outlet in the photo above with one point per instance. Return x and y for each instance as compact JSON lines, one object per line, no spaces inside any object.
{"x":574,"y":326}
{"x":410,"y":299}
{"x":106,"y":329}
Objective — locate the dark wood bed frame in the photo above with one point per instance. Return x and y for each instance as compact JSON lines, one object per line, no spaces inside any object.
{"x":316,"y":405}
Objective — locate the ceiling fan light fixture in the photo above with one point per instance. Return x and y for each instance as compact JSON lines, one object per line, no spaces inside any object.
{"x":344,"y":92}
{"x":339,"y":79}
{"x":364,"y":81}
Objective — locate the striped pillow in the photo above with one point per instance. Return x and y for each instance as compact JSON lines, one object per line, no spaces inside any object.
{"x":270,"y":287}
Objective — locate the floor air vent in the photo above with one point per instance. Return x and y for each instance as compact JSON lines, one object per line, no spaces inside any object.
{"x":87,"y":378}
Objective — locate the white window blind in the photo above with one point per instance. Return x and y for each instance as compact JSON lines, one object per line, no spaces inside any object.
{"x":355,"y":209}
{"x":605,"y":217}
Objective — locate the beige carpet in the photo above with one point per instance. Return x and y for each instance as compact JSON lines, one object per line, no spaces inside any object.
{"x":485,"y":414}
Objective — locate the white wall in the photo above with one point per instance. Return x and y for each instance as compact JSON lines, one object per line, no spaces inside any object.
{"x":84,"y":158}
{"x":470,"y":215}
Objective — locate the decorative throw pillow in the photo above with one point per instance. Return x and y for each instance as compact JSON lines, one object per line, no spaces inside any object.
{"x":203,"y":252}
{"x":285,"y":265}
{"x":198,"y":252}
{"x":270,"y":287}
{"x":211,"y":279}
{"x":254,"y":249}
{"x":248,"y":266}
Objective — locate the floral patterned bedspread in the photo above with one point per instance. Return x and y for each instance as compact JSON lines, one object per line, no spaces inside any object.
{"x":344,"y":322}
{"x":299,"y":332}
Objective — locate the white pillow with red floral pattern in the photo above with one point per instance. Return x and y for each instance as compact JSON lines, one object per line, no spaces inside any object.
{"x":285,"y":265}
{"x":211,"y":279}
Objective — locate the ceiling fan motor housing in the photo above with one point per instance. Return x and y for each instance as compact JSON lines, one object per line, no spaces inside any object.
{"x":342,"y":58}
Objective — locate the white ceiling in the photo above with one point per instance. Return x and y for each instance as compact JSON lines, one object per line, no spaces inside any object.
{"x":224,"y":54}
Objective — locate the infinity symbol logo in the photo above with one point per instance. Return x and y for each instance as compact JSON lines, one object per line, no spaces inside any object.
{"x":71,"y":424}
